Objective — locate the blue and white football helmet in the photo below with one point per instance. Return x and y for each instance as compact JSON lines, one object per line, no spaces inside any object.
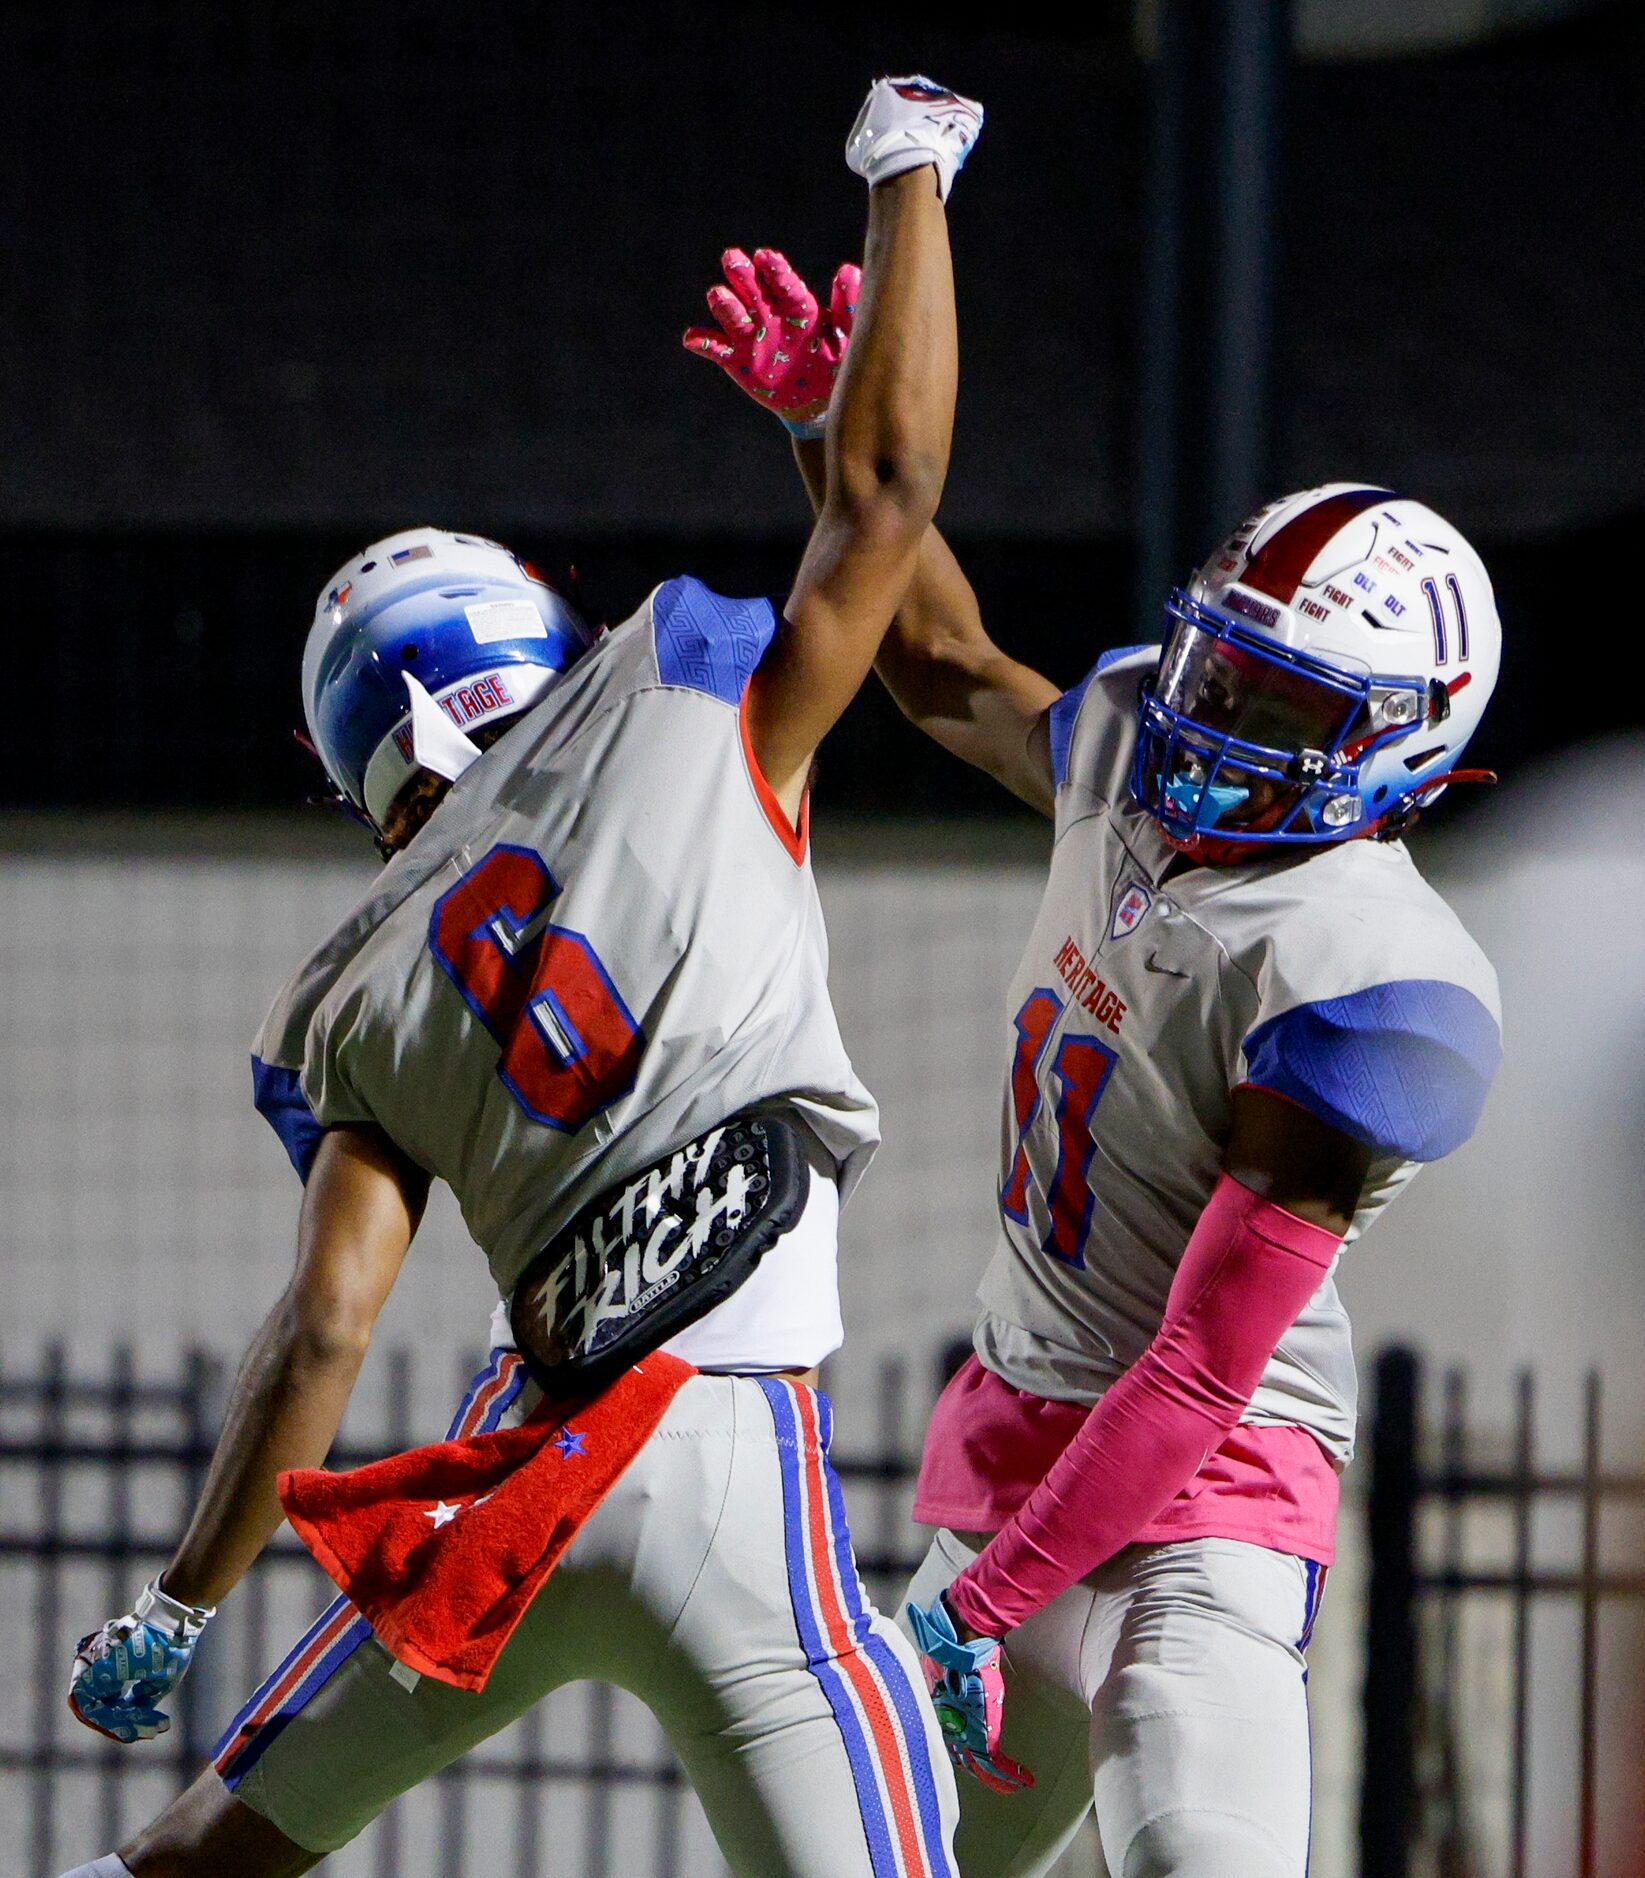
{"x":453,"y":628}
{"x":1320,"y":676}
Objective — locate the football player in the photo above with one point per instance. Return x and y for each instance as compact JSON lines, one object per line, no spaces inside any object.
{"x":595,"y":959}
{"x":1241,"y":1025}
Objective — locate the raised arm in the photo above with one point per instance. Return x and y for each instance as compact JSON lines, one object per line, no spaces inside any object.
{"x":937,"y":659}
{"x":889,"y":425}
{"x":950,"y":679}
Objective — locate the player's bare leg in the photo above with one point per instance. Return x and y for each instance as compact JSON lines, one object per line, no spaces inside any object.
{"x":204,"y":1833}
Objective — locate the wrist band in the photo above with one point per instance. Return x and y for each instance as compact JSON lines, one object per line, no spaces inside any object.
{"x":184,"y":1619}
{"x":810,"y":429}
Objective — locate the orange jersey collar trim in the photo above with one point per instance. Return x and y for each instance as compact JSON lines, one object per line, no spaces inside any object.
{"x":796,"y":840}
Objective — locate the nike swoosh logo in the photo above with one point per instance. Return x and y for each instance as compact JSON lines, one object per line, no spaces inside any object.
{"x":1152,"y":962}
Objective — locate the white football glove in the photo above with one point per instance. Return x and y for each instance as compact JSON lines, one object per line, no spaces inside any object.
{"x":123,"y":1672}
{"x":908,"y":122}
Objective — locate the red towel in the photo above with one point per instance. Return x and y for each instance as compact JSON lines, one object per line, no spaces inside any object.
{"x":442,"y":1549}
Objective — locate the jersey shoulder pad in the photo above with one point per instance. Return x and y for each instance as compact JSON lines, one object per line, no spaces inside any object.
{"x":706,"y":642}
{"x":1402,"y":1067}
{"x":1116,"y":676}
{"x":1126,"y":663}
{"x":1375,"y":1008}
{"x":277,"y":1094}
{"x":1349,"y":916}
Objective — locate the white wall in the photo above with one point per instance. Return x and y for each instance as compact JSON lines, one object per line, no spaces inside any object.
{"x":142,"y":1199}
{"x":1528,"y":1246}
{"x":132,"y":1166}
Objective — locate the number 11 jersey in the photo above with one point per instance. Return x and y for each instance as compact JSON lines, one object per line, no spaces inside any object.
{"x":1149,"y":992}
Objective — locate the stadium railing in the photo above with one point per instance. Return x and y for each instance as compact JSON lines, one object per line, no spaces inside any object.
{"x":96,"y":1472}
{"x":1463,"y":1672}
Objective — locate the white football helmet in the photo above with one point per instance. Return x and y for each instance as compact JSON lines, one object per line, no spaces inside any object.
{"x":418,"y":639}
{"x":1321,"y":675}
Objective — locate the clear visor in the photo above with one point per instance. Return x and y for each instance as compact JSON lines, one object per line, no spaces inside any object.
{"x":1232,"y":690}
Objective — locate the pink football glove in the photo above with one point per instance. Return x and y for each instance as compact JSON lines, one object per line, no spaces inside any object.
{"x":774,"y":340}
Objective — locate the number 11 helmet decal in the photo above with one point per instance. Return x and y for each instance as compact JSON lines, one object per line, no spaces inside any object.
{"x":1321,"y":675}
{"x":476,"y":627}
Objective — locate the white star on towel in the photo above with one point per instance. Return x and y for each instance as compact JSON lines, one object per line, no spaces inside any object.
{"x":442,"y":1515}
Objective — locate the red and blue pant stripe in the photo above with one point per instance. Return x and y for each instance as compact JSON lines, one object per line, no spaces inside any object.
{"x":879,"y":1713}
{"x":1313,"y":1595}
{"x":338,"y":1632}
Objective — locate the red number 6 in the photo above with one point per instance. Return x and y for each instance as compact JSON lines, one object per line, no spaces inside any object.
{"x":569,"y":1046}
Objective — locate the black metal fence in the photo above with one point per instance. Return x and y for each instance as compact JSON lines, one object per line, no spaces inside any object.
{"x":95,"y":1473}
{"x":1430,"y":1730}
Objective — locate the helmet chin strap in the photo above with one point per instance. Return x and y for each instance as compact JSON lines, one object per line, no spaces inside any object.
{"x":333,"y":797}
{"x":1396,"y":820}
{"x":436,"y":742}
{"x":1453,"y":776}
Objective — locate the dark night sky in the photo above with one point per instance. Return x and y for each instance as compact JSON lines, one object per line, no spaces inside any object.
{"x":279,"y":279}
{"x":330,"y":267}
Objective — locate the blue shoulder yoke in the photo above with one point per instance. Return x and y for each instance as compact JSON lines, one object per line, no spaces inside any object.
{"x":707,"y":642}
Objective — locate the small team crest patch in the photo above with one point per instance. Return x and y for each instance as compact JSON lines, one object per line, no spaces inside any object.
{"x":1134,"y":902}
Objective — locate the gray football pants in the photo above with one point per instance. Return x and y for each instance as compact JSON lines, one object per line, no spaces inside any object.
{"x":1169,"y":1690}
{"x":716,"y":1582}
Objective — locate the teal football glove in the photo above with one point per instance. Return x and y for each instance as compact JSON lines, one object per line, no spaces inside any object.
{"x":125,"y":1670}
{"x":968,"y":1693}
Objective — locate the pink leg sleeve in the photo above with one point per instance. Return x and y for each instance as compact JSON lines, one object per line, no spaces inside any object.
{"x":1245,"y":1275}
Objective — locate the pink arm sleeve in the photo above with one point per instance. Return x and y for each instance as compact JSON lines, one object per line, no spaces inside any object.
{"x":1247,"y":1272}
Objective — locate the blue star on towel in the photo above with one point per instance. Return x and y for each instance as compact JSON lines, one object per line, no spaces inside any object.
{"x":565,"y":1444}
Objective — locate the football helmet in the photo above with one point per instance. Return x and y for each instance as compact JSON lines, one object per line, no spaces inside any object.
{"x":457,"y":618}
{"x":1320,"y":676}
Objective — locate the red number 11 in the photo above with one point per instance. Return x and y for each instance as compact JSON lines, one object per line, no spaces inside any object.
{"x":1080,"y":1072}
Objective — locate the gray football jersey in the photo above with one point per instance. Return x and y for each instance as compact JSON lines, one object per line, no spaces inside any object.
{"x":1335,"y":976}
{"x":603,"y":942}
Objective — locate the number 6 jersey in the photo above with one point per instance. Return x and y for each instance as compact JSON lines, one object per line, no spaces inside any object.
{"x":1335,"y":977}
{"x":606,"y":940}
